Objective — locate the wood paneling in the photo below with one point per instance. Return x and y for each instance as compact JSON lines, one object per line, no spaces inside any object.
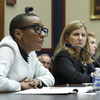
{"x":1,"y":19}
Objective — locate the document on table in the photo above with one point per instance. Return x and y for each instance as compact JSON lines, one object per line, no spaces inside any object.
{"x":57,"y":90}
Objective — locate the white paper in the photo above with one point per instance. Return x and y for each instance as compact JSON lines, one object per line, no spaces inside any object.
{"x":56,"y":90}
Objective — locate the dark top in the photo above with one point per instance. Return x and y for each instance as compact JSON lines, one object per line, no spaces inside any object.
{"x":23,"y":53}
{"x":67,"y":70}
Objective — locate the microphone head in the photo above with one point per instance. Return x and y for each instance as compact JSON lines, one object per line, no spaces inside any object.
{"x":28,"y":9}
{"x":68,"y":45}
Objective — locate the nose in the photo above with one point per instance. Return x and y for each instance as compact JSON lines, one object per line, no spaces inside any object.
{"x":43,"y":34}
{"x":95,"y":46}
{"x":45,"y":65}
{"x":80,"y":36}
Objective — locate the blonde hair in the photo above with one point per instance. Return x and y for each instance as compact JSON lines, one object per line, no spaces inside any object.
{"x":91,"y":34}
{"x":66,"y":32}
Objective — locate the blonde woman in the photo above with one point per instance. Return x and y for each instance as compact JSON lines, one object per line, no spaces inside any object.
{"x":72,"y":65}
{"x":93,"y":46}
{"x":92,"y":42}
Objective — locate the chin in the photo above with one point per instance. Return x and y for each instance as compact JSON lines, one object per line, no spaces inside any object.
{"x":38,"y":49}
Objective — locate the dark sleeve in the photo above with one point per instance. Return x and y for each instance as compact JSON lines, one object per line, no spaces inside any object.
{"x":69,"y":70}
{"x":91,"y":68}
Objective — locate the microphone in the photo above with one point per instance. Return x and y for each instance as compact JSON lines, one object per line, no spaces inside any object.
{"x":27,"y":9}
{"x":70,"y":45}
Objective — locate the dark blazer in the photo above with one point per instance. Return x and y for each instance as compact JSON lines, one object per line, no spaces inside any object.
{"x":67,"y":70}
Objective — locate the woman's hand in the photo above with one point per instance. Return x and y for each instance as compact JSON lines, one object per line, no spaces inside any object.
{"x":33,"y":82}
{"x":30,"y":83}
{"x":25,"y":85}
{"x":92,"y":74}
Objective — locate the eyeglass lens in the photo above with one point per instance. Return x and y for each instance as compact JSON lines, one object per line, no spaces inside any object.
{"x":38,"y":30}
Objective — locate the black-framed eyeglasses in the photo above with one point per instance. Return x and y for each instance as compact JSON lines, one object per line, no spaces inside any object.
{"x":38,"y":29}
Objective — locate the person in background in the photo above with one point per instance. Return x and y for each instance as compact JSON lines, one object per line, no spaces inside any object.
{"x":95,"y":51}
{"x":71,"y":65}
{"x":93,"y":46}
{"x":19,"y":68}
{"x":45,"y":60}
{"x":92,"y":42}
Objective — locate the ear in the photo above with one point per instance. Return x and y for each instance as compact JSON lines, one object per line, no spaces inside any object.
{"x":17,"y":33}
{"x":66,"y":38}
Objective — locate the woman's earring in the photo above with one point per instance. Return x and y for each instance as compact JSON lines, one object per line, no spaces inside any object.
{"x":19,"y":38}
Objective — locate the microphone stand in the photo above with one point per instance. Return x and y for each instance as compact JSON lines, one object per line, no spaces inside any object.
{"x":88,"y":53}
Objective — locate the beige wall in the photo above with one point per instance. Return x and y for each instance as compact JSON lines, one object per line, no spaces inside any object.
{"x":75,"y":10}
{"x":80,"y":10}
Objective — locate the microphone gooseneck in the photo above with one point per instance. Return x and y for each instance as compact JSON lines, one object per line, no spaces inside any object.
{"x":70,"y":45}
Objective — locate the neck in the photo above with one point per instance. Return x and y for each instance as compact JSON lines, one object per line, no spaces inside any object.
{"x":78,"y":51}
